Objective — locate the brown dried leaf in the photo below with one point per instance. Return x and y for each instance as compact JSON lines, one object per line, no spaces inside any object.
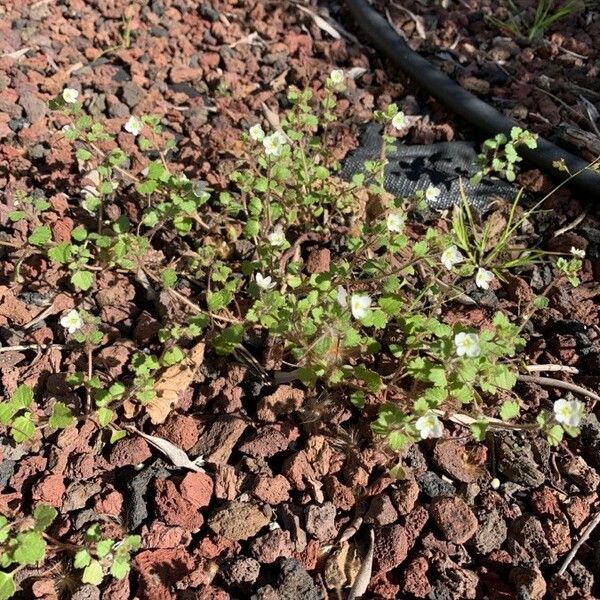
{"x":171,"y":382}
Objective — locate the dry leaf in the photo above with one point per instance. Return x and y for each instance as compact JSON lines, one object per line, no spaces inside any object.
{"x":363,"y":577}
{"x":321,"y":23}
{"x":174,"y":453}
{"x":171,"y":382}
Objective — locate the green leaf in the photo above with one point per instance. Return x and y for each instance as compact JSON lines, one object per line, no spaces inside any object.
{"x":82,"y":280}
{"x":120,"y":567}
{"x":229,"y":339}
{"x":116,"y":435}
{"x":104,"y":547}
{"x":22,"y":428}
{"x":79,"y":234}
{"x":372,"y":379}
{"x":93,"y":573}
{"x":61,"y":417}
{"x":7,"y":586}
{"x":40,"y":235}
{"x":22,"y":397}
{"x":82,"y":559}
{"x":30,"y":548}
{"x":61,"y":253}
{"x":44,"y":514}
{"x":509,"y":410}
{"x":172,"y":356}
{"x":169,"y":277}
{"x":105,"y":416}
{"x":83,"y":154}
{"x":555,"y":435}
{"x":479,"y":430}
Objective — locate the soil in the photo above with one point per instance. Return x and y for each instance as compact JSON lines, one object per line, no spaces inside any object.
{"x":293,"y":484}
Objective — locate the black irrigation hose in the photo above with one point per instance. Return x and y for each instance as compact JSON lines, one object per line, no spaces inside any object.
{"x":467,"y":106}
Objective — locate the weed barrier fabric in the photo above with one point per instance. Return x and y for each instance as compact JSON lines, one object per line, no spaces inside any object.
{"x":466,"y":105}
{"x":446,"y":165}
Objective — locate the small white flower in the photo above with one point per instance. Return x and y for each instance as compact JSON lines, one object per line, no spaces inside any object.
{"x":483,"y":278}
{"x":360,"y":304}
{"x":264,"y":283}
{"x":432,"y":193}
{"x":133,"y":126}
{"x":495,"y":483}
{"x":72,"y":321}
{"x":342,"y":296}
{"x":256,"y":133}
{"x":467,"y":344}
{"x":395,"y":222}
{"x":578,"y":253}
{"x":66,"y":128}
{"x":399,"y":120}
{"x":70,"y":95}
{"x":277,"y":236}
{"x":273,"y":144}
{"x":281,"y":137}
{"x":273,"y":525}
{"x":451,"y":256}
{"x":337,"y":76}
{"x":568,"y":412}
{"x":429,"y":426}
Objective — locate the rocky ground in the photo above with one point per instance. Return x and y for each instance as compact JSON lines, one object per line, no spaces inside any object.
{"x":294,"y":484}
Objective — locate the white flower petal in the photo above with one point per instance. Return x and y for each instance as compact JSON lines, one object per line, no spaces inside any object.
{"x":360,"y":304}
{"x":133,"y":126}
{"x":70,"y":95}
{"x":399,"y":120}
{"x":256,"y":133}
{"x":483,"y":278}
{"x":467,"y":344}
{"x":337,"y":76}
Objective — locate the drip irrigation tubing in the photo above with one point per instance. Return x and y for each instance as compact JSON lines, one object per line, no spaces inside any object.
{"x":466,"y":105}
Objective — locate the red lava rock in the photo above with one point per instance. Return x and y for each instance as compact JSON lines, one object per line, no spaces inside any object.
{"x":391,"y":547}
{"x":527,"y":541}
{"x":130,"y":451}
{"x":239,"y":520}
{"x":49,"y":490}
{"x":240,"y":571}
{"x":197,"y":489}
{"x":181,"y":73}
{"x":545,"y":503}
{"x":382,"y":587}
{"x":455,"y":460}
{"x":415,"y":522}
{"x":318,"y":260}
{"x":582,"y":474}
{"x":181,"y":430}
{"x":217,"y":442}
{"x":341,"y":495}
{"x":271,"y":546}
{"x":310,"y":555}
{"x":270,"y":440}
{"x":491,"y":532}
{"x":528,"y":582}
{"x":271,"y":490}
{"x":558,"y":535}
{"x":455,"y":519}
{"x":173,"y":509}
{"x":226,"y":482}
{"x":405,"y":496}
{"x":414,"y":580}
{"x":283,"y":401}
{"x":216,"y":545}
{"x":381,"y":511}
{"x":320,"y":521}
{"x":12,"y":308}
{"x":299,"y":471}
{"x":160,"y":570}
{"x":579,"y":509}
{"x":158,"y":535}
